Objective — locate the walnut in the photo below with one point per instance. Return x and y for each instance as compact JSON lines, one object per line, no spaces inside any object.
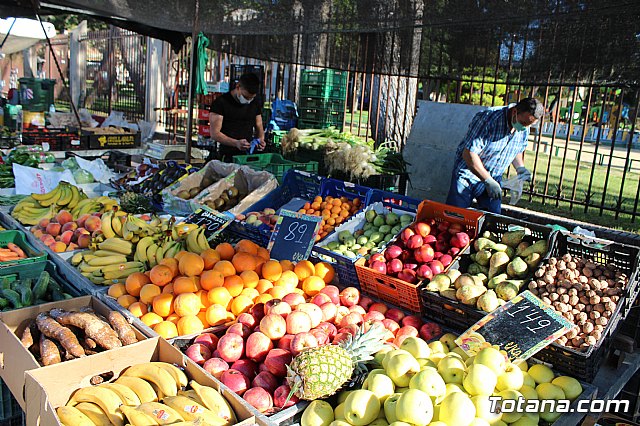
{"x":563,"y":289}
{"x":564,"y":298}
{"x":568,"y":316}
{"x":598,"y":307}
{"x":539,"y":273}
{"x":607,"y":273}
{"x":605,"y":299}
{"x":561,"y":265}
{"x":534,"y":291}
{"x":580,"y":306}
{"x":584,"y":300}
{"x":591,"y":340}
{"x":602,"y":321}
{"x":553,"y":261}
{"x":573,"y":292}
{"x":533,"y":285}
{"x":572,"y":265}
{"x":587,"y":328}
{"x":583,"y":279}
{"x":591,"y":293}
{"x":546,"y":300}
{"x":544,"y":294}
{"x":548,"y":278}
{"x":607,"y":314}
{"x":597,"y":273}
{"x":588,"y":308}
{"x":552,"y":288}
{"x":604,"y":284}
{"x":615,"y":299}
{"x":594,"y":300}
{"x":596,"y":334}
{"x":589,"y":264}
{"x":594,"y":315}
{"x":567,"y":257}
{"x":575,"y":312}
{"x":599,"y":328}
{"x":573,"y":300}
{"x":562,"y":341}
{"x":587,"y":272}
{"x":582,"y":316}
{"x":554,"y":296}
{"x":610,"y":306}
{"x":577,"y":341}
{"x":572,"y":333}
{"x":612,"y":291}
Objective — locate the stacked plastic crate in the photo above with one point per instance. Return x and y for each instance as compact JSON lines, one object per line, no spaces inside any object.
{"x":322,"y":99}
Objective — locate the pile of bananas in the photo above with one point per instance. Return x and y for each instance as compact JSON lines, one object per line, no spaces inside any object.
{"x":36,"y":207}
{"x":109,"y":262}
{"x":94,"y":205}
{"x":118,"y":224}
{"x":134,"y":398}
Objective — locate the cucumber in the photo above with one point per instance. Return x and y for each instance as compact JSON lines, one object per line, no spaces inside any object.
{"x":26,"y":294}
{"x":40,"y":287}
{"x":12,"y":296}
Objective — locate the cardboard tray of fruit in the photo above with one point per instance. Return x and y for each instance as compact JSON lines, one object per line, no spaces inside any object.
{"x":372,"y":229}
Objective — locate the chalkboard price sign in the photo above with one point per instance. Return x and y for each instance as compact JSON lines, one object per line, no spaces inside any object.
{"x":521,"y":327}
{"x":294,"y":236}
{"x":212,"y":221}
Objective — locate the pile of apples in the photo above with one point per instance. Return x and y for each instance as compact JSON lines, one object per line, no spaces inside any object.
{"x":267,"y":217}
{"x":424,"y":249}
{"x":61,"y":233}
{"x":438,"y":384}
{"x":251,"y":357}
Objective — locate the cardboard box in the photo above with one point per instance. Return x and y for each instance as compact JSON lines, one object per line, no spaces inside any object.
{"x":51,"y":387}
{"x":15,"y":359}
{"x":116,"y":140}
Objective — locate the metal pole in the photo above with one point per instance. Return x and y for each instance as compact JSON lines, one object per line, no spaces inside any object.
{"x":192,"y":73}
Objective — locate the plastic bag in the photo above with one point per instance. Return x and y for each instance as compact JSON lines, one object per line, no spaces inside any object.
{"x":97,"y":168}
{"x":70,"y":163}
{"x":30,"y":180}
{"x":83,"y":176}
{"x":515,"y":186}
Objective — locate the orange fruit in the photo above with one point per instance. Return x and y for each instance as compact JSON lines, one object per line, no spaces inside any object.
{"x":138,"y":309}
{"x":243,"y":262}
{"x":148,"y":292}
{"x":263,"y":254}
{"x":179,"y":255}
{"x":150,"y":319}
{"x":286,"y":265}
{"x":168,"y":288}
{"x":234,"y":284}
{"x":259,"y":264}
{"x":172,"y":264}
{"x":202,"y":316}
{"x":196,"y":281}
{"x":325,"y":271}
{"x":173,"y":318}
{"x":191,"y":264}
{"x":225,"y":267}
{"x":216,"y":315}
{"x":219,"y":296}
{"x":163,"y":304}
{"x":241,"y":304}
{"x":225,"y":250}
{"x":264,"y":286}
{"x":187,"y":304}
{"x":211,"y":279}
{"x":272,"y":270}
{"x":204,"y":299}
{"x":312,"y":285}
{"x":189,"y":324}
{"x":304,"y":269}
{"x":117,"y":290}
{"x":252,"y":293}
{"x":134,"y":283}
{"x":288,"y":279}
{"x":247,"y":247}
{"x":279,"y":292}
{"x":125,"y":300}
{"x":166,"y":329}
{"x":263,"y":298}
{"x":250,"y":279}
{"x":161,"y":275}
{"x":184,"y":285}
{"x":210,"y":257}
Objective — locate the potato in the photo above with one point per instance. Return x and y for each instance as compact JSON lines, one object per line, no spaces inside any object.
{"x":602,"y":321}
{"x":588,"y":327}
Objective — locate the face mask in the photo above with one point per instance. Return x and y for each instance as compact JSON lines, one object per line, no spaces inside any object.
{"x":243,"y":100}
{"x":518,"y":127}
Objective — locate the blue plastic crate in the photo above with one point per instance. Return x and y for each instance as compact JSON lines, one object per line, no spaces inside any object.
{"x":402,"y":201}
{"x":340,"y":188}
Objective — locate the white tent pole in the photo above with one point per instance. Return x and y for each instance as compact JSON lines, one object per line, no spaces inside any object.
{"x":194,"y":45}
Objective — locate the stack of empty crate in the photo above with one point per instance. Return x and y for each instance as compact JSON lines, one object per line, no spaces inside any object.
{"x":322,"y":99}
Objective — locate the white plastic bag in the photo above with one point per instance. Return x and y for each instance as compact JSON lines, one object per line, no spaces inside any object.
{"x":97,"y":168}
{"x":30,"y":180}
{"x":515,"y":186}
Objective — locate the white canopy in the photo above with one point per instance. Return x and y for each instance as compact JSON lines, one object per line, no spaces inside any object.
{"x":23,"y":34}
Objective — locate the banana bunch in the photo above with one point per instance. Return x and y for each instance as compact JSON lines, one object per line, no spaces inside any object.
{"x":181,"y":229}
{"x":109,"y":263}
{"x":29,"y":212}
{"x":113,"y":223}
{"x":197,"y":241}
{"x":135,"y":228}
{"x":151,"y":251}
{"x":93,"y":205}
{"x":64,"y":195}
{"x":151,"y":393}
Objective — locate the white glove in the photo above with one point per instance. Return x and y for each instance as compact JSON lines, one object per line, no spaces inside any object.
{"x":523,"y":173}
{"x":493,"y":189}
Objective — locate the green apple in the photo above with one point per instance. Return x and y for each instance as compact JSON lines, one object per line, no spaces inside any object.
{"x":528,"y":392}
{"x":379,"y":422}
{"x":549,"y":416}
{"x":540,"y":373}
{"x":381,"y":385}
{"x":379,"y":356}
{"x":527,"y":380}
{"x":390,"y":407}
{"x":426,"y":362}
{"x":435,"y":357}
{"x":528,"y":419}
{"x":452,"y":369}
{"x":522,"y":364}
{"x":449,"y":339}
{"x":416,"y":347}
{"x":483,"y":409}
{"x":479,"y":422}
{"x":455,"y":354}
{"x":479,"y":380}
{"x":339,"y":423}
{"x":371,"y":374}
{"x":317,"y":413}
{"x":401,"y":368}
{"x":550,"y":391}
{"x":438,"y":346}
{"x":452,"y":387}
{"x":415,"y":407}
{"x":469,"y":361}
{"x":338,"y":412}
{"x":492,"y":358}
{"x":361,"y":407}
{"x":342,"y":396}
{"x":457,"y":409}
{"x":391,"y":354}
{"x":430,"y":382}
{"x":571,"y":387}
{"x":515,"y":396}
{"x":512,"y":378}
{"x":458,"y":350}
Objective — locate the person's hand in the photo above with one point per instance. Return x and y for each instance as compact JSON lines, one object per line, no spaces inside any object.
{"x":493,"y":189}
{"x":242,"y":144}
{"x":523,"y":173}
{"x":262,"y":144}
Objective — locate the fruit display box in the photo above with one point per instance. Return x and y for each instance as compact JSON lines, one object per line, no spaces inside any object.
{"x":17,"y":359}
{"x":50,"y":387}
{"x":455,"y":312}
{"x":345,"y":266}
{"x":403,"y":293}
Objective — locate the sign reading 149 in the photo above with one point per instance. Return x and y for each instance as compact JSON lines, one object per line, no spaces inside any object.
{"x":294,"y":236}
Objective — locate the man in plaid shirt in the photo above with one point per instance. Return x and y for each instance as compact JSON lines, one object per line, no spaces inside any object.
{"x":496,"y":138}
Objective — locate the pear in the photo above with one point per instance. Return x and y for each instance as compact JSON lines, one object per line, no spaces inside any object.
{"x":533,"y":260}
{"x":539,"y":247}
{"x":493,"y":282}
{"x":517,"y":268}
{"x":521,"y":247}
{"x":507,"y":290}
{"x":439,"y":282}
{"x":469,"y":294}
{"x":483,"y":243}
{"x":513,"y":238}
{"x":482,"y":257}
{"x":498,"y":263}
{"x":488,"y":301}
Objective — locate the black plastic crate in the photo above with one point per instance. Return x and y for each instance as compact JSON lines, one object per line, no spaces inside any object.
{"x":57,"y":139}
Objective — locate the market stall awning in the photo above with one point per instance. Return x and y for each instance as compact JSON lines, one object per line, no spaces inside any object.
{"x":17,"y":34}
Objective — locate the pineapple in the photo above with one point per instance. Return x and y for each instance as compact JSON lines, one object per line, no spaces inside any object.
{"x":320,"y":372}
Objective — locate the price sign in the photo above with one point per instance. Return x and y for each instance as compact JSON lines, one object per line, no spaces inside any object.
{"x":521,"y":327}
{"x":213,"y":222}
{"x":294,"y":236}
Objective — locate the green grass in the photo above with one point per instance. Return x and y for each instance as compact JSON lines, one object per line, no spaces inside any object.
{"x":577,"y":212}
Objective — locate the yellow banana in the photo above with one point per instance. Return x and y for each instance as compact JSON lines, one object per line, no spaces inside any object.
{"x":177,"y":374}
{"x":85,"y":267}
{"x":95,"y":413}
{"x":192,"y":242}
{"x":192,"y":410}
{"x":105,"y":398}
{"x":138,"y":417}
{"x":201,"y":238}
{"x":128,"y":396}
{"x":76,"y":196}
{"x":118,"y":245}
{"x":116,"y":224}
{"x":108,"y":260}
{"x":121,"y":266}
{"x":162,"y":413}
{"x":57,"y":194}
{"x":142,"y":247}
{"x":173,"y":249}
{"x":47,"y":195}
{"x":105,"y":253}
{"x":118,"y":275}
{"x":66,"y":196}
{"x":142,"y":388}
{"x":160,"y":253}
{"x":156,"y":375}
{"x":214,"y":402}
{"x":71,"y":416}
{"x":151,"y":255}
{"x":77,"y":258}
{"x":106,"y":228}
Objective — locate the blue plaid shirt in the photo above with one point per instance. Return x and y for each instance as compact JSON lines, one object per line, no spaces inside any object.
{"x":490,"y":137}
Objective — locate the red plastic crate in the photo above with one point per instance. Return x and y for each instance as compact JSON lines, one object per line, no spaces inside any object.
{"x":400,"y":292}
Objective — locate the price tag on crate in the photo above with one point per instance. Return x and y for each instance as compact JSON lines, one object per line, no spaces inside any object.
{"x":213,"y":221}
{"x":521,"y":327}
{"x":294,"y":236}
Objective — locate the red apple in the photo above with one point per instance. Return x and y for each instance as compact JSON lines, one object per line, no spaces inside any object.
{"x":424,"y":272}
{"x":298,"y":322}
{"x":391,"y":325}
{"x":399,"y":339}
{"x":429,"y":331}
{"x":442,"y":246}
{"x":277,"y":306}
{"x":273,"y":326}
{"x":246,"y":367}
{"x":231,"y":347}
{"x":445,"y":260}
{"x":321,"y":336}
{"x":407,"y":330}
{"x":411,"y":265}
{"x":280,"y":397}
{"x":443,"y":226}
{"x":374,"y":315}
{"x":429,"y":239}
{"x":247,"y":319}
{"x":198,"y":353}
{"x":377,"y":257}
{"x":340,"y":337}
{"x":240,"y":329}
{"x":257,"y":312}
{"x":392,"y":252}
{"x":293,"y":299}
{"x":380,"y":307}
{"x":406,"y":234}
{"x":352,"y":318}
{"x":342,"y":312}
{"x":257,"y":347}
{"x":349,"y":296}
{"x":351,"y":329}
{"x":394,"y":266}
{"x":333,"y":292}
{"x":408,"y":275}
{"x":436,"y":267}
{"x":454,"y":228}
{"x":379,"y":266}
{"x":365,"y":302}
{"x":303,"y":341}
{"x":314,"y":312}
{"x":395,"y":314}
{"x":320,"y":299}
{"x":370,"y":323}
{"x":424,"y":254}
{"x":277,"y":361}
{"x":412,"y":320}
{"x":453,"y":251}
{"x":329,"y":311}
{"x":422,"y":229}
{"x":265,"y":380}
{"x":285,"y":341}
{"x":259,"y":398}
{"x":357,"y":308}
{"x":235,"y":380}
{"x":415,"y":242}
{"x":328,"y":328}
{"x":215,"y":367}
{"x":208,"y":339}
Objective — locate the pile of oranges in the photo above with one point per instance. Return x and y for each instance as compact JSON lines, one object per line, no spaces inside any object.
{"x":188,"y":293}
{"x":333,"y":211}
